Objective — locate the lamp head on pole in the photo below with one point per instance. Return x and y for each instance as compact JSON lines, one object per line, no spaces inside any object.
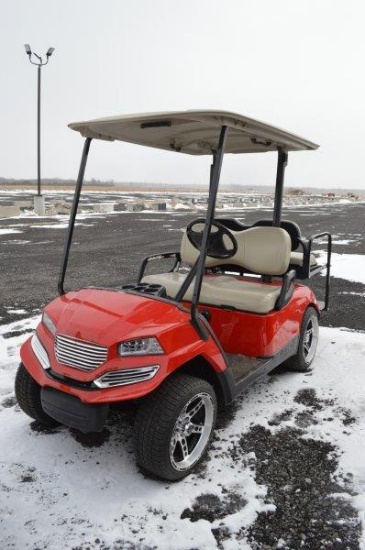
{"x":50,"y":52}
{"x":27,"y":49}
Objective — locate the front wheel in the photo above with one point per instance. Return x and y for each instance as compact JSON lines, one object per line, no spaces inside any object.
{"x":174,"y":426}
{"x":28,"y":394}
{"x":308,"y":340}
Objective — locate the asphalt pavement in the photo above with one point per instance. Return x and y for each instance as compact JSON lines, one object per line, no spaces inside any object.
{"x":107,"y":251}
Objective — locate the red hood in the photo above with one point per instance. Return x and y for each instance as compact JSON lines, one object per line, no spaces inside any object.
{"x":106,"y":316}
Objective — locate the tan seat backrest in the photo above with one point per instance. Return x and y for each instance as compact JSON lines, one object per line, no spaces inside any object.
{"x":262,"y":250}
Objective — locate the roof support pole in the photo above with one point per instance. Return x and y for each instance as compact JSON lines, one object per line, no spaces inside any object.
{"x":213,"y":190}
{"x":282,"y":163}
{"x":71,"y":224}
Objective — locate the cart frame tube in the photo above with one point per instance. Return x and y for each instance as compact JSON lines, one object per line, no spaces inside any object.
{"x":71,"y":224}
{"x":213,"y":189}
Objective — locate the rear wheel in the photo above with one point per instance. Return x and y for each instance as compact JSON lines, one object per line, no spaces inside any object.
{"x":174,"y":426}
{"x":308,"y":341}
{"x":28,"y":394}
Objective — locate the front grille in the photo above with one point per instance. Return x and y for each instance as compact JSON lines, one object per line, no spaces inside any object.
{"x":79,"y":354}
{"x":126,"y":376}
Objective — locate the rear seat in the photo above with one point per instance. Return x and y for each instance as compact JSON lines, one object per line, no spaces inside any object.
{"x":261,"y":250}
{"x":296,"y":256}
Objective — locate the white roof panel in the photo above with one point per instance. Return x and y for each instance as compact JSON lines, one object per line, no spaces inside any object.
{"x":193,"y":132}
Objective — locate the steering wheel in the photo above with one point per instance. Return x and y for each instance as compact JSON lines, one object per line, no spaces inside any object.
{"x":221,"y":243}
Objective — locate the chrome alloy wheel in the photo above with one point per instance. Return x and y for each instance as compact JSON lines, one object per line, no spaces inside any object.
{"x":192,"y":431}
{"x":310,"y":338}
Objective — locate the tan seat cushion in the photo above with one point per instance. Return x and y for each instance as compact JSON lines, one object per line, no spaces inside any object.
{"x":263,"y":250}
{"x":296,"y":258}
{"x":223,"y":290}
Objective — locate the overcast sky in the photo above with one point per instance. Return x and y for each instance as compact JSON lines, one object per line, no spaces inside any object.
{"x":297,"y":64}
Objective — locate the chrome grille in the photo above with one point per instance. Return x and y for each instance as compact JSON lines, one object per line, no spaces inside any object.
{"x":126,"y":376}
{"x":79,"y":354}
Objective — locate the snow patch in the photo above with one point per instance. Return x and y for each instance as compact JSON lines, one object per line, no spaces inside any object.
{"x":9,"y":231}
{"x":348,"y":266}
{"x":58,"y":492}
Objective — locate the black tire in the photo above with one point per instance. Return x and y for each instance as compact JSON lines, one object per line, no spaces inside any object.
{"x":167,"y":429}
{"x":28,"y":394}
{"x":308,"y":341}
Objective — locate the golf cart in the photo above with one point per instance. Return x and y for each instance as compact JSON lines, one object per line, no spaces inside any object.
{"x":231,"y":309}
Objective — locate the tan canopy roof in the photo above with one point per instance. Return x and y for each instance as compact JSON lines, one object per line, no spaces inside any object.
{"x":193,"y":132}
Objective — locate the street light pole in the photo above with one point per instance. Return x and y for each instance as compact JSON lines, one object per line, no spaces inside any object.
{"x":39,"y":133}
{"x":40,"y":63}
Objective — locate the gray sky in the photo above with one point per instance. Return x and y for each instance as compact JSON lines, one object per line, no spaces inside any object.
{"x":297,"y":64}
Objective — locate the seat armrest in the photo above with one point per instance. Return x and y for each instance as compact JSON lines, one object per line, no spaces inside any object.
{"x":327,"y":265}
{"x":287,"y":289}
{"x":156,"y":257}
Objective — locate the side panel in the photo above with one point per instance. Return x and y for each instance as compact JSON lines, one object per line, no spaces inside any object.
{"x":254,"y":335}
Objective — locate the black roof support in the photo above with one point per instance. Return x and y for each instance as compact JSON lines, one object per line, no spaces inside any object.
{"x":282,"y":163}
{"x":71,"y":224}
{"x":213,"y":190}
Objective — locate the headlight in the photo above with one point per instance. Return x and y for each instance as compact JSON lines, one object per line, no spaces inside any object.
{"x":47,"y":321}
{"x":140,"y":346}
{"x":40,"y":352}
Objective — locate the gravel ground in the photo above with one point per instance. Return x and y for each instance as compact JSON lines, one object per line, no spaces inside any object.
{"x":310,"y":497}
{"x":298,"y":471}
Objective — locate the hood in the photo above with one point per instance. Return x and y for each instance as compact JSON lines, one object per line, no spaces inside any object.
{"x":105,"y":317}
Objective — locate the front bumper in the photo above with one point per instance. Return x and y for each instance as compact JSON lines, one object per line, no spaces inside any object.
{"x":86,"y":392}
{"x":69,"y":410}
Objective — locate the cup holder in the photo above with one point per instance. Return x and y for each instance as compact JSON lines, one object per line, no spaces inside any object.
{"x":147,"y":288}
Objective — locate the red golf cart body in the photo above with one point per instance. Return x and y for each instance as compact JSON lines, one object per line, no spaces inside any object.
{"x":100,"y":346}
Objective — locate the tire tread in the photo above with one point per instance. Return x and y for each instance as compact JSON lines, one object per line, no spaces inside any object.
{"x":296,"y":362}
{"x":154,"y":419}
{"x":28,"y":394}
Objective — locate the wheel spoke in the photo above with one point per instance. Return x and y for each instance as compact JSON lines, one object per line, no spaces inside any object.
{"x":194,"y":410}
{"x":173,"y":443}
{"x":308,"y":337}
{"x":197,"y":429}
{"x":184,"y":446}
